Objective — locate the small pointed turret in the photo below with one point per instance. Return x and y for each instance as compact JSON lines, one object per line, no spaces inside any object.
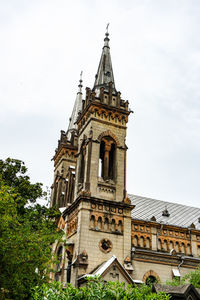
{"x":77,"y":107}
{"x":105,"y":72}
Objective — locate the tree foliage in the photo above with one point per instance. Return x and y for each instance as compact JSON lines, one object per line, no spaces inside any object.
{"x":27,"y":230}
{"x":95,"y":289}
{"x":192,"y":277}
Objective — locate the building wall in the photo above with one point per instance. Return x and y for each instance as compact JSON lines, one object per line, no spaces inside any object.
{"x":163,"y":272}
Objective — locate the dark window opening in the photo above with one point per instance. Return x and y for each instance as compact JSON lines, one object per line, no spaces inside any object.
{"x":107,"y":159}
{"x":58,"y":265}
{"x":82,"y":164}
{"x":59,"y":258}
{"x":69,"y":267}
{"x":111,"y":162}
{"x":101,"y":159}
{"x":150,"y":280}
{"x":55,"y":193}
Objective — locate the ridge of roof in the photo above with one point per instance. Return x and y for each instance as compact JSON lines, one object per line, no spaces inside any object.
{"x":149,"y":198}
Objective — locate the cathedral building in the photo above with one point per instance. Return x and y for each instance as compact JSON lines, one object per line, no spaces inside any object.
{"x":108,"y":232}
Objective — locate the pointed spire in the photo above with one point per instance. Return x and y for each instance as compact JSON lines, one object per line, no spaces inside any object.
{"x":105,"y":72}
{"x":77,"y":107}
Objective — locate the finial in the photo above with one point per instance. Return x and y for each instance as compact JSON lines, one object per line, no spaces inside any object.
{"x":106,"y":40}
{"x":80,"y":83}
{"x":81,"y":75}
{"x":107,"y":28}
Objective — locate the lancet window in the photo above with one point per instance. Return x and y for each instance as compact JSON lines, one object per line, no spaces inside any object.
{"x":55,"y":190}
{"x":107,"y":158}
{"x":82,"y":163}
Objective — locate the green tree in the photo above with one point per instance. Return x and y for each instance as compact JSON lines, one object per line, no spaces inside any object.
{"x":96,"y":288}
{"x":27,"y":230}
{"x":192,"y":277}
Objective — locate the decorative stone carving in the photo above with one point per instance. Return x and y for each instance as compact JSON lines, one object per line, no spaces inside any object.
{"x":105,"y":245}
{"x":127,"y":264}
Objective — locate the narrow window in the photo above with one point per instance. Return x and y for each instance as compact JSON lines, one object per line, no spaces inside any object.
{"x":82,"y":163}
{"x":92,"y":221}
{"x":120,"y":226}
{"x":113,"y":225}
{"x":55,"y":192}
{"x":148,"y":243}
{"x":159,"y":244}
{"x":99,"y":223}
{"x":106,"y":224}
{"x":142,"y":242}
{"x":58,"y":265}
{"x":101,"y":159}
{"x":107,"y":159}
{"x":135,"y":241}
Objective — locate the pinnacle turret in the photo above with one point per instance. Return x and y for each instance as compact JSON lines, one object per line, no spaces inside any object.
{"x":105,"y":72}
{"x":77,"y":107}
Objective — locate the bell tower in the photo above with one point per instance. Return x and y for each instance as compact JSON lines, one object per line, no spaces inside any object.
{"x":65,"y":158}
{"x":101,"y":159}
{"x":98,"y":214}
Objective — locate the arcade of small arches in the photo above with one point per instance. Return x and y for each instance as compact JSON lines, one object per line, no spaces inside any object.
{"x":179,"y":246}
{"x":141,"y":241}
{"x":163,"y":245}
{"x":106,"y":223}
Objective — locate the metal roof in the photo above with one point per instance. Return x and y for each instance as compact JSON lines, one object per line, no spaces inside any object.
{"x":179,"y":215}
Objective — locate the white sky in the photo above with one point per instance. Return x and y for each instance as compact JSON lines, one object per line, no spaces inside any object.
{"x":155,"y":49}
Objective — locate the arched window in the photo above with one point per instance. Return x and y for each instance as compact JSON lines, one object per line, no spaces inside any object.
{"x":148,"y":242}
{"x":165,"y":245}
{"x":55,"y":190}
{"x":188,"y":249}
{"x":159,"y":244}
{"x":113,"y":225}
{"x":59,"y":260}
{"x":177,"y":247}
{"x":92,"y":221}
{"x":182,"y":248}
{"x":107,"y":158}
{"x":171,"y":245}
{"x":99,"y":223}
{"x":106,"y":224}
{"x":120,"y":226}
{"x":135,"y":241}
{"x":141,"y":241}
{"x":150,"y":280}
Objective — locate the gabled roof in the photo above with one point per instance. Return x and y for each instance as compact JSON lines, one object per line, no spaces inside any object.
{"x":179,"y":215}
{"x":177,"y":291}
{"x":105,"y":266}
{"x":105,"y":72}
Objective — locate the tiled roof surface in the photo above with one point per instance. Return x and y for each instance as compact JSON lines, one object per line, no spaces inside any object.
{"x":180,"y":215}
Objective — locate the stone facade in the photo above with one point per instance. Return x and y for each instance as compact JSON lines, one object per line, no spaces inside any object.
{"x":90,"y":187}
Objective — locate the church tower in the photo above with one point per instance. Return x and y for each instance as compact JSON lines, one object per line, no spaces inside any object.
{"x":65,"y":158}
{"x":98,"y":212}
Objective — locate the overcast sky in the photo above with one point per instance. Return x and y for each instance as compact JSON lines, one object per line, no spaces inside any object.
{"x":155,"y":49}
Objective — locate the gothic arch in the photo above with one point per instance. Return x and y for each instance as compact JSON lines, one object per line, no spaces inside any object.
{"x":108,"y":133}
{"x":150,"y":273}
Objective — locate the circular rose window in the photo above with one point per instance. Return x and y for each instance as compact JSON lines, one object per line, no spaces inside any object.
{"x":105,"y":245}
